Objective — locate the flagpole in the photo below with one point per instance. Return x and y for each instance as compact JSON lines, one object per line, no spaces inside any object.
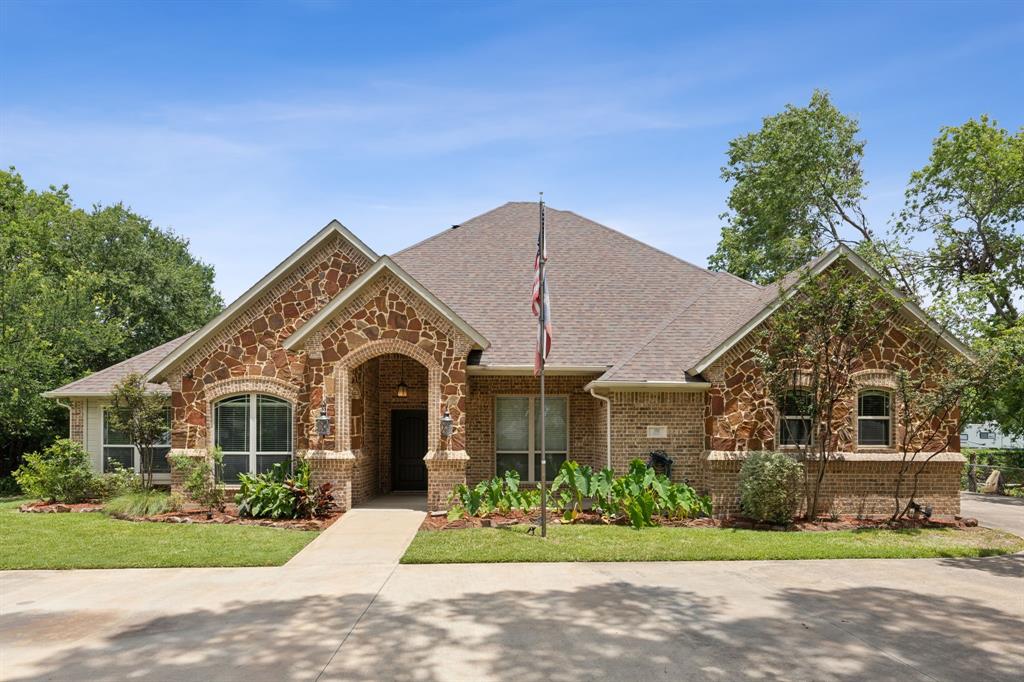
{"x":542,"y":339}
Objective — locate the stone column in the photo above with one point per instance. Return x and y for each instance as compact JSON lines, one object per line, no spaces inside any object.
{"x":336,"y":468}
{"x":445,"y":470}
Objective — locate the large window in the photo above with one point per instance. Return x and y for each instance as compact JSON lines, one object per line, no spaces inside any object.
{"x":794,"y":419}
{"x":873,"y":418}
{"x":117,"y":448}
{"x":254,"y":432}
{"x":517,"y":435}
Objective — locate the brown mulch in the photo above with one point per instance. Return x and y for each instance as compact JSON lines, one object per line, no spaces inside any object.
{"x":40,"y":507}
{"x":498,"y":520}
{"x":229,"y":515}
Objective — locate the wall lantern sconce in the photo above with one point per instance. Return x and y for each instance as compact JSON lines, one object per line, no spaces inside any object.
{"x":323,"y":422}
{"x":447,"y":425}
{"x":402,"y":391}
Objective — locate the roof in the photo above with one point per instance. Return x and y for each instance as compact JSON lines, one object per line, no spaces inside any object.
{"x":101,"y":383}
{"x":278,"y":273}
{"x":608,"y":291}
{"x":384,"y":264}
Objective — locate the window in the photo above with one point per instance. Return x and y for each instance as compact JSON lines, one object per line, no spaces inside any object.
{"x":795,"y":420}
{"x":254,"y":432}
{"x":118,"y":449}
{"x":873,"y":418}
{"x":517,"y":435}
{"x":985,"y":435}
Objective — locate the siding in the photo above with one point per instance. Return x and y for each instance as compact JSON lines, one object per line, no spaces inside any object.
{"x":94,"y":432}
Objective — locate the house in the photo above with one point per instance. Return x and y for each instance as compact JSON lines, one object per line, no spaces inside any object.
{"x":988,"y":435}
{"x":650,"y":353}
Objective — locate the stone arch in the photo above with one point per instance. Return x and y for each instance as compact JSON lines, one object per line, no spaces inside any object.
{"x":243,"y":385}
{"x":373,"y":349}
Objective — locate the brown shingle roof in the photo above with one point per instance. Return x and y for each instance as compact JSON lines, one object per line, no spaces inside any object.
{"x":102,"y":382}
{"x":608,"y":291}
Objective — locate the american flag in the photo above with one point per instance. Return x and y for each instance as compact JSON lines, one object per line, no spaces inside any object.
{"x":541,"y":308}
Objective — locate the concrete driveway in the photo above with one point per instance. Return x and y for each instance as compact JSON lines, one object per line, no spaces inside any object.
{"x":995,"y":511}
{"x":803,"y":620}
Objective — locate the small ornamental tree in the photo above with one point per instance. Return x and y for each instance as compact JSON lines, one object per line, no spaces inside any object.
{"x":932,"y":395}
{"x":141,"y":415}
{"x":814,"y":341}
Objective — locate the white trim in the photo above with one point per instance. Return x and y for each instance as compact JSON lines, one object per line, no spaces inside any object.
{"x":818,"y":268}
{"x":240,"y":303}
{"x":520,"y":370}
{"x":890,"y":401}
{"x":532,"y":450}
{"x":345,"y":297}
{"x":642,"y":386}
{"x":253,"y":451}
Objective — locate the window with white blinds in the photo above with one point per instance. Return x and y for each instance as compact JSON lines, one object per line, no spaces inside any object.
{"x":254,"y":433}
{"x":517,"y":435}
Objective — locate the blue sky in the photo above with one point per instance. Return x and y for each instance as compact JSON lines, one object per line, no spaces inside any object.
{"x":246,"y":127}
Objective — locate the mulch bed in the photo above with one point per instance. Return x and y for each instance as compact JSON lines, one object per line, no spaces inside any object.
{"x":190,"y":514}
{"x":40,"y":507}
{"x":497,"y":520}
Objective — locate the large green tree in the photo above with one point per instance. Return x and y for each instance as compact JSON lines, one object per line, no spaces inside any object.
{"x":79,"y":291}
{"x":968,"y":201}
{"x":797,"y":189}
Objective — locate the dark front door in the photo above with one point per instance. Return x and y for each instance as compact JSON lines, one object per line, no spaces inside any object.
{"x":408,"y":445}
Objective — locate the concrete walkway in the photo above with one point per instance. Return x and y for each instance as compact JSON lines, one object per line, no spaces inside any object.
{"x":995,"y":511}
{"x":371,"y":535}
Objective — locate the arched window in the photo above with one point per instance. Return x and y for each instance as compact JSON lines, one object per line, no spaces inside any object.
{"x":795,"y":419}
{"x":254,"y":432}
{"x":874,"y":419}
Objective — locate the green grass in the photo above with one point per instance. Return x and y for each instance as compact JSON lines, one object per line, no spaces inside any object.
{"x":619,"y":543}
{"x":94,"y":540}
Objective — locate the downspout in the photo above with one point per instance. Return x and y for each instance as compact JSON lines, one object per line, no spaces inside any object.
{"x":608,"y":423}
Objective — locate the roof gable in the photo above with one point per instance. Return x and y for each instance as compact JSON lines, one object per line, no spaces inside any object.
{"x":780,"y":292}
{"x":240,"y":304}
{"x":383,"y":264}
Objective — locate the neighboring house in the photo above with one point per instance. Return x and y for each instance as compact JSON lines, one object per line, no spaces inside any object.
{"x":988,"y":436}
{"x":650,"y":353}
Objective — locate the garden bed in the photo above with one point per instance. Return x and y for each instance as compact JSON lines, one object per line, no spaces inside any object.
{"x":514,"y":518}
{"x":40,"y":507}
{"x":193,"y":514}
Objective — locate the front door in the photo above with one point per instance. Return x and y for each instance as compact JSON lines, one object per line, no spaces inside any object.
{"x":408,"y":446}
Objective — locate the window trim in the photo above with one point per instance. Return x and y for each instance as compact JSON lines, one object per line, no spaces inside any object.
{"x":888,"y":418}
{"x":253,"y":452}
{"x":136,"y":455}
{"x":782,"y":417}
{"x":532,"y":450}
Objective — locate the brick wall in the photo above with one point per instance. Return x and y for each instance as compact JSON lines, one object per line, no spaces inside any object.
{"x":583,"y":413}
{"x":682,"y":413}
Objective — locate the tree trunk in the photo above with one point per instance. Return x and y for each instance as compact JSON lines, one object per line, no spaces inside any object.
{"x":972,"y":473}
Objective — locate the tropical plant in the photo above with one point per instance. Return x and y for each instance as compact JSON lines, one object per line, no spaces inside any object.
{"x":311,"y":501}
{"x":199,"y":478}
{"x":499,"y":494}
{"x":266,"y":495}
{"x":60,"y":473}
{"x":770,"y":484}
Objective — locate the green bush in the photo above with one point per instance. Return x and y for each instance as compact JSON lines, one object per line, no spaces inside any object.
{"x":199,"y":480}
{"x":9,"y":487}
{"x":1010,"y":462}
{"x":499,"y":494}
{"x":60,"y":473}
{"x":119,"y":481}
{"x":142,"y":503}
{"x":770,"y":487}
{"x":276,"y":494}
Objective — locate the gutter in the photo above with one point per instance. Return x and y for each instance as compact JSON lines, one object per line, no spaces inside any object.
{"x":648,"y":385}
{"x":608,"y":422}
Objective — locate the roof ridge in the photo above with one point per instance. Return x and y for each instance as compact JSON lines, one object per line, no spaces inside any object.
{"x":449,"y":229}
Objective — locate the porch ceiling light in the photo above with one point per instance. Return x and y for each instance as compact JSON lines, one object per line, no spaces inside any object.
{"x":402,"y":391}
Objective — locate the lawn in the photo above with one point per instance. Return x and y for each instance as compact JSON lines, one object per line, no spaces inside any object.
{"x":94,"y":540}
{"x":619,"y":543}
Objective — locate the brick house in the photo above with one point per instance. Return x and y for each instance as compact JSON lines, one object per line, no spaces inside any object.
{"x":650,"y":353}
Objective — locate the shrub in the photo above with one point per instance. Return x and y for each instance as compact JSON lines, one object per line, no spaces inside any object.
{"x":310,"y":501}
{"x":9,"y":487}
{"x":276,"y":494}
{"x":501,"y":494}
{"x":60,"y":473}
{"x":199,"y":481}
{"x":142,"y":503}
{"x":770,"y":487}
{"x":119,"y":481}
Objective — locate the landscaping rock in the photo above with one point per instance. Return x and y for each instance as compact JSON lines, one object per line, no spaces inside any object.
{"x":970,"y":522}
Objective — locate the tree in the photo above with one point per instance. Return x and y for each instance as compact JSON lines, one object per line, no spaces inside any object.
{"x":813,"y":343}
{"x":969,"y":198}
{"x":79,"y":291}
{"x":141,"y":415}
{"x":798,"y":188}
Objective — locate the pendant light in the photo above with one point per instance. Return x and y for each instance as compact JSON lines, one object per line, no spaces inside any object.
{"x":402,"y":391}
